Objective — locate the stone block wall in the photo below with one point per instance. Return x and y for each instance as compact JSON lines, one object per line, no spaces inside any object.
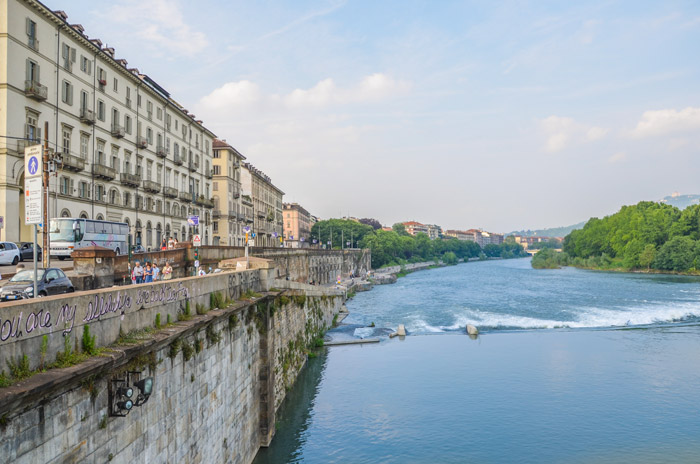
{"x":218,"y":380}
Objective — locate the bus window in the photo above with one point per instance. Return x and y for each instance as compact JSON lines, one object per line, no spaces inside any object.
{"x":107,"y":228}
{"x":91,"y":229}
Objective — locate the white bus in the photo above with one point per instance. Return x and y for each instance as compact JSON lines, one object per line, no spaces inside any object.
{"x":69,"y":234}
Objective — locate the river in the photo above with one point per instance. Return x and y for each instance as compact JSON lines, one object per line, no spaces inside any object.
{"x":571,"y":366}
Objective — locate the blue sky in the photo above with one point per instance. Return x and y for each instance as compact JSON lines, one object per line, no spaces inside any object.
{"x":465,"y":114}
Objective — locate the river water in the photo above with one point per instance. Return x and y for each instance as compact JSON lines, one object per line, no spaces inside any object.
{"x":571,"y":366}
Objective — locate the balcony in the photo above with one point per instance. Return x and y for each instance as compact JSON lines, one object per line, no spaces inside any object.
{"x":193,"y":166}
{"x":72,"y":163}
{"x":209,"y":174}
{"x":161,"y":151}
{"x":232,"y":215}
{"x":170,"y":192}
{"x":204,"y":201}
{"x":87,"y":116}
{"x":104,"y":172}
{"x":236,"y":194}
{"x":141,"y":142}
{"x":151,"y":186}
{"x":130,"y":180}
{"x":178,"y":160}
{"x":23,"y":144}
{"x":118,"y":131}
{"x":35,"y":90}
{"x":216,"y":214}
{"x":261,"y":215}
{"x":185,"y":196}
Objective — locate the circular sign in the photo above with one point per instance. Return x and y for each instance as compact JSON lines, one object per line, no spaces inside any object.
{"x":33,"y":165}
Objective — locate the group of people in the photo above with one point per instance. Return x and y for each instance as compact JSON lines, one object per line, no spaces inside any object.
{"x":168,"y":244}
{"x":150,"y":272}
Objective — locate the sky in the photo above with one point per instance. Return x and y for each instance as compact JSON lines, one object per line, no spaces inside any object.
{"x":467,"y":114}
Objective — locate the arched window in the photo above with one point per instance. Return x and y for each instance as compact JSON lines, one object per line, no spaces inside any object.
{"x":138,"y":232}
{"x":159,"y":235}
{"x":183,"y":237}
{"x":114,"y":197}
{"x":100,"y":217}
{"x":65,"y":213}
{"x":83,"y":215}
{"x":183,"y":211}
{"x":167,"y":231}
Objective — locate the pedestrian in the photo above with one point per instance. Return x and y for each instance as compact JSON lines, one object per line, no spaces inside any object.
{"x":156,"y":272}
{"x":148,"y":273}
{"x":137,"y":273}
{"x":171,"y":243}
{"x":202,"y":272}
{"x":167,"y":272}
{"x":163,"y":244}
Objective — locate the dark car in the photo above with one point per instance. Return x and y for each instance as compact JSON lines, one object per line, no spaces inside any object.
{"x":50,"y":282}
{"x":26,"y":251}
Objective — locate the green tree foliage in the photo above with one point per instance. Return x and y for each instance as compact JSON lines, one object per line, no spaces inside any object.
{"x":371,"y":222}
{"x":391,"y":248}
{"x":547,"y":258}
{"x":340,"y":230}
{"x":647,"y":235}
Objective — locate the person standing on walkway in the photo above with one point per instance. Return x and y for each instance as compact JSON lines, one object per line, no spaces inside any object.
{"x":137,"y":273}
{"x":156,"y":272}
{"x":167,"y":272}
{"x":148,"y":273}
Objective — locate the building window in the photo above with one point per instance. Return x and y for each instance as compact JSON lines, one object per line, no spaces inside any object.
{"x":31,"y":35}
{"x":31,"y":128}
{"x":68,"y":55}
{"x":149,"y":168}
{"x":67,"y":93}
{"x":217,"y":155}
{"x":217,"y":170}
{"x":128,"y":97}
{"x":138,"y":100}
{"x":176,"y":149}
{"x":84,"y":143}
{"x":85,"y":65}
{"x":83,"y":191}
{"x":115,"y":85}
{"x":115,"y":157}
{"x":100,"y":110}
{"x":101,"y":78}
{"x":127,"y":123}
{"x":83,"y":102}
{"x":66,"y":140}
{"x":32,"y":71}
{"x":65,"y":186}
{"x":149,"y":135}
{"x":149,"y":109}
{"x":216,"y":184}
{"x":101,"y":153}
{"x":159,"y":114}
{"x":216,"y":227}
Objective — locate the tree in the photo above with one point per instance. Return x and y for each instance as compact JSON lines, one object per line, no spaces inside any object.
{"x":400,"y":229}
{"x":371,"y":222}
{"x":647,"y":256}
{"x":678,"y":254}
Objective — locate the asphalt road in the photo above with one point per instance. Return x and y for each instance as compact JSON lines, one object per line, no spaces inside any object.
{"x":10,"y":269}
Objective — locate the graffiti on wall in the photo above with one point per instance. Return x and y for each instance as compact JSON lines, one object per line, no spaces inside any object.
{"x":43,"y":320}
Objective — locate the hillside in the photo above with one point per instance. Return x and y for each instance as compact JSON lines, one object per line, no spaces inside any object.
{"x":551,"y":232}
{"x":681,"y":201}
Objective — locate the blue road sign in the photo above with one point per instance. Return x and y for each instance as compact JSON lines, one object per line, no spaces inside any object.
{"x":33,"y":165}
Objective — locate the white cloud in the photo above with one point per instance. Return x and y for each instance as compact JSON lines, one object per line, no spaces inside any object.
{"x":617,"y":157}
{"x":561,"y":131}
{"x":160,"y":24}
{"x":325,"y":93}
{"x":664,"y":122}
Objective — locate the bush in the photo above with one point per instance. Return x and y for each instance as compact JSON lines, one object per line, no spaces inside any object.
{"x":89,"y":342}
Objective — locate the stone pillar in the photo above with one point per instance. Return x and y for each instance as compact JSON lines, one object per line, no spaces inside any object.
{"x":93,"y":268}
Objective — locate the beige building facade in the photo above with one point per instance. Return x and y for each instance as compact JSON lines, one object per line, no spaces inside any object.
{"x":230,"y":215}
{"x":121,"y":147}
{"x":297,"y":226}
{"x":265,"y":200}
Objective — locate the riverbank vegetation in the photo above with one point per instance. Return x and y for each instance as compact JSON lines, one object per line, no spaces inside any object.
{"x":397,"y":247}
{"x":647,"y":236}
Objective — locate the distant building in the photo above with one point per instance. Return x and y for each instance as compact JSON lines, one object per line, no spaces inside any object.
{"x":414,"y":228}
{"x":461,"y":235}
{"x":260,"y":193}
{"x":297,"y":226}
{"x":434,"y":231}
{"x":230,"y":215}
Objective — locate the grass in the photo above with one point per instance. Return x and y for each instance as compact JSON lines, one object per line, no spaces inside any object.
{"x":186,"y":313}
{"x":213,"y":337}
{"x":250,"y":295}
{"x":133,"y":337}
{"x":158,"y":321}
{"x":20,"y":370}
{"x":187,"y":351}
{"x":201,"y":309}
{"x":89,"y":346}
{"x":68,"y":357}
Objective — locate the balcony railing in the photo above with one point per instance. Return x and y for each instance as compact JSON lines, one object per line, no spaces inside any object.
{"x":209,"y":174}
{"x":161,"y":151}
{"x":104,"y":172}
{"x":130,"y":180}
{"x":118,"y":131}
{"x":177,"y":159}
{"x":216,"y":214}
{"x":185,"y":196}
{"x":72,"y":163}
{"x":141,"y":142}
{"x":35,"y":90}
{"x":23,"y":144}
{"x":236,"y":194}
{"x":87,"y":116}
{"x":232,"y":215}
{"x":193,"y":166}
{"x":170,"y":192}
{"x":151,"y":186}
{"x":204,"y":201}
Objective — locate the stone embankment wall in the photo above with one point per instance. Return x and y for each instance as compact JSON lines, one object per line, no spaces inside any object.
{"x":218,"y":377}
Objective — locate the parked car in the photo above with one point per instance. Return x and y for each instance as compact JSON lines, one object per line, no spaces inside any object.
{"x":49,"y":282}
{"x":9,"y":253}
{"x":26,"y":251}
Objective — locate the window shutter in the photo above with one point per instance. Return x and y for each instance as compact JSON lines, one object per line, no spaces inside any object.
{"x":65,"y":50}
{"x":72,"y":55}
{"x":29,"y":70}
{"x":71,"y":187}
{"x":38,"y":134}
{"x":29,"y":27}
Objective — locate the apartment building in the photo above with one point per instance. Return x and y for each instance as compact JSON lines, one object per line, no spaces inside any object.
{"x":264,"y":200}
{"x":230,"y":215}
{"x":297,"y":226}
{"x":414,"y":228}
{"x":121,"y":147}
{"x":434,"y":231}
